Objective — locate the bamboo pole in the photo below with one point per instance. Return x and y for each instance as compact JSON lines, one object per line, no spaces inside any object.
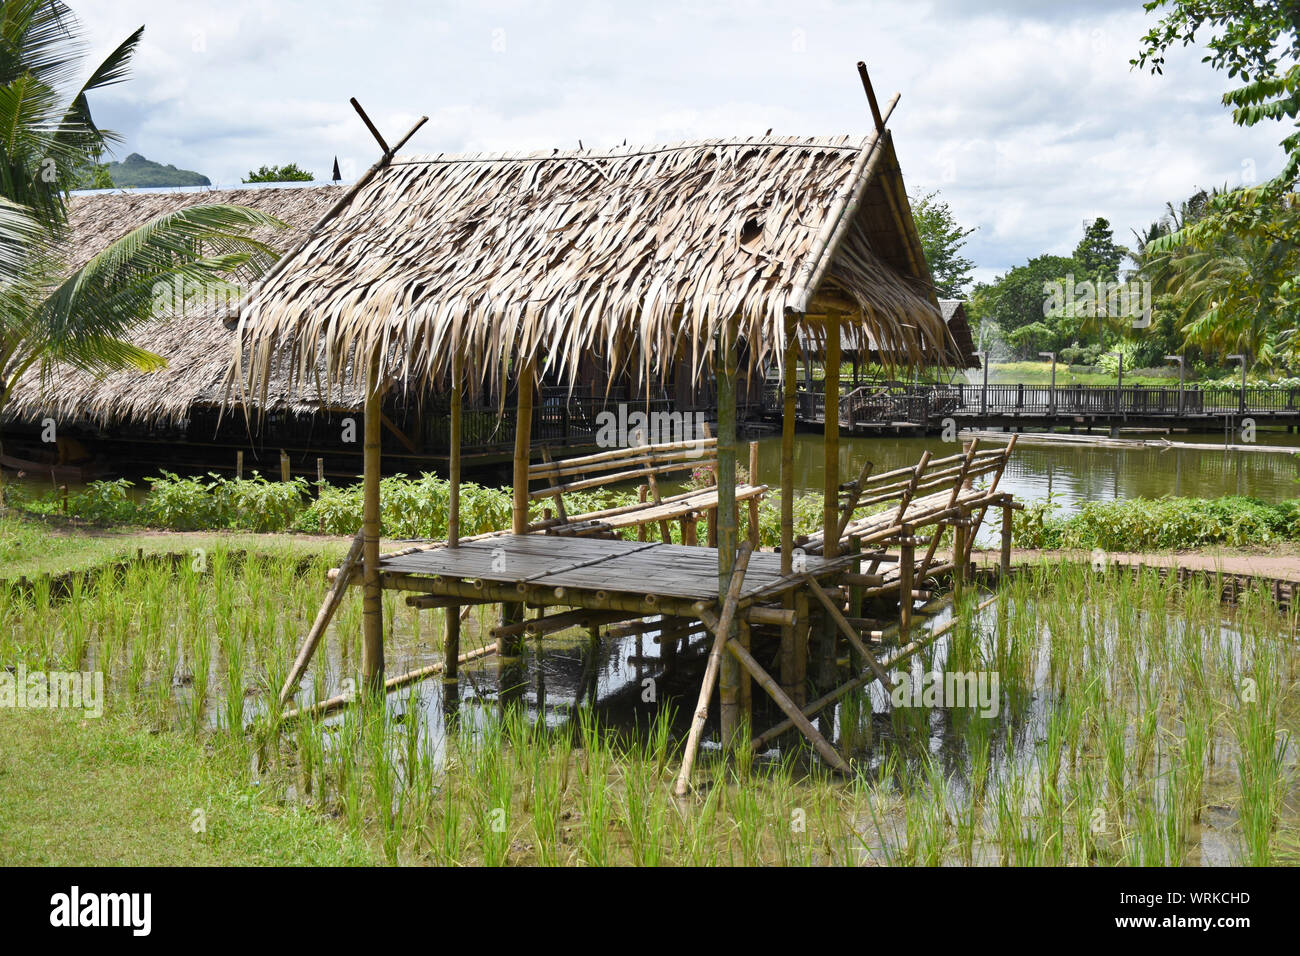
{"x":831,"y":496}
{"x":332,"y":600}
{"x":906,"y":566}
{"x":372,"y":616}
{"x":728,"y":532}
{"x":960,"y":530}
{"x":787,"y":446}
{"x":523,"y":446}
{"x":453,"y":503}
{"x":720,"y":635}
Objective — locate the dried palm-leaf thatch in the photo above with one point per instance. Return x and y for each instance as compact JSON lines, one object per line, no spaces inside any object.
{"x":194,"y":339}
{"x":637,"y":251}
{"x":957,"y":352}
{"x":954,"y":316}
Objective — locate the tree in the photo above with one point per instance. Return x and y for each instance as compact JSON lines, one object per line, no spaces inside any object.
{"x":279,"y":174}
{"x":1251,"y":39}
{"x":1234,"y":267}
{"x":51,"y":313}
{"x":1227,"y":291}
{"x":942,"y":239}
{"x":94,"y":176}
{"x":1097,"y":256}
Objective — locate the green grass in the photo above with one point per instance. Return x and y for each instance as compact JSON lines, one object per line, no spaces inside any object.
{"x":1132,"y":700}
{"x":1040,"y":373}
{"x":110,"y":792}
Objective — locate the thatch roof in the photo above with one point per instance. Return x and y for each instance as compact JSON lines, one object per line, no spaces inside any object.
{"x":641,"y":252}
{"x":954,"y":316}
{"x":958,"y":351}
{"x":197,"y":345}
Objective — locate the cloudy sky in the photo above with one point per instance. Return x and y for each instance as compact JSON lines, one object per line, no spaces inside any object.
{"x":1025,"y":114}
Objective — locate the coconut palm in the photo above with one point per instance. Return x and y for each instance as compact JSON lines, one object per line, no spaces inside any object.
{"x":55,"y":311}
{"x":1231,"y":289}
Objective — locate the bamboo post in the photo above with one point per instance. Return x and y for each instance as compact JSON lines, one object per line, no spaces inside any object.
{"x":284,"y":466}
{"x":787,"y":446}
{"x":372,"y":616}
{"x":729,"y":678}
{"x":453,"y":465}
{"x":959,"y":556}
{"x":906,"y":564}
{"x":239,"y":464}
{"x":451,"y":617}
{"x":320,"y":476}
{"x":332,"y":600}
{"x":799,"y":663}
{"x":523,"y":446}
{"x":711,"y":669}
{"x":509,"y":648}
{"x":831,"y":496}
{"x":855,"y":602}
{"x":790,"y":682}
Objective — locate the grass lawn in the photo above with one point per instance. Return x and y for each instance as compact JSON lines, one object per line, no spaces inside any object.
{"x":109,"y":792}
{"x":1040,"y":373}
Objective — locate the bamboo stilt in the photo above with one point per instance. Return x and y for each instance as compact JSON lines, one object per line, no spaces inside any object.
{"x":523,"y":446}
{"x":453,"y":468}
{"x":906,"y":564}
{"x":372,"y":617}
{"x":831,"y":496}
{"x":728,"y":532}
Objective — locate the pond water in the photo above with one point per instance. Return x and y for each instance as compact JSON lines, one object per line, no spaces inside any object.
{"x":1070,"y":475}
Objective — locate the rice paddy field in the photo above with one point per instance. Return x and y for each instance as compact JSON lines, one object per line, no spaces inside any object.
{"x":1136,"y":722}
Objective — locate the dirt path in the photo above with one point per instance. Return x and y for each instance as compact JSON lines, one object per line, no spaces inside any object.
{"x":1270,"y":564}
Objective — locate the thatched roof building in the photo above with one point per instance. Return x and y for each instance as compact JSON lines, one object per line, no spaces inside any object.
{"x":197,"y":345}
{"x":640,"y":253}
{"x":954,"y":316}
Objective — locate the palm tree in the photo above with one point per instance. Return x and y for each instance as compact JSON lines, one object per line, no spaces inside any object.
{"x":1229,"y":287}
{"x":53,"y":314}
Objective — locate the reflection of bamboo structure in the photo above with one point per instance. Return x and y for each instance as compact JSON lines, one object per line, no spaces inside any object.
{"x":567,"y":252}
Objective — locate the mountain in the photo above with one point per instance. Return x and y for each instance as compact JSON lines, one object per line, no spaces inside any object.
{"x":135,"y":171}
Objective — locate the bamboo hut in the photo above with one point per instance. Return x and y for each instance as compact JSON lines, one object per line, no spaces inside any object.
{"x":505,"y":267}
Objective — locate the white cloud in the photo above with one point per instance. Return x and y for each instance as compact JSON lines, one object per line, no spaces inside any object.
{"x":1027,"y":116}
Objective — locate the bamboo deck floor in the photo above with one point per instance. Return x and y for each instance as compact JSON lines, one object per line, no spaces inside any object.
{"x":683,"y":572}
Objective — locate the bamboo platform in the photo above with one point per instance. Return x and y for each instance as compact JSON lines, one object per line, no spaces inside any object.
{"x":587,"y":572}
